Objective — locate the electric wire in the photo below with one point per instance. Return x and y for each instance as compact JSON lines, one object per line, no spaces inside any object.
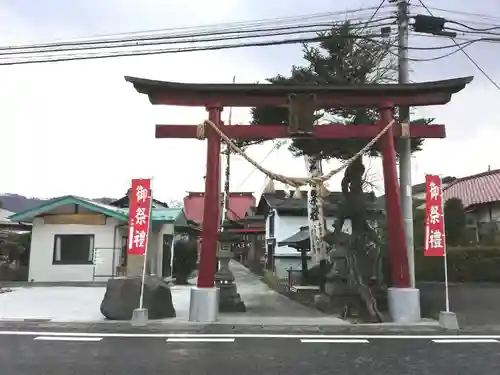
{"x":71,"y":57}
{"x":374,"y":14}
{"x":163,"y":51}
{"x":464,"y":52}
{"x":473,"y":28}
{"x":239,"y":25}
{"x":177,"y":39}
{"x":479,"y":15}
{"x":216,"y":30}
{"x":28,"y":54}
{"x":255,"y":169}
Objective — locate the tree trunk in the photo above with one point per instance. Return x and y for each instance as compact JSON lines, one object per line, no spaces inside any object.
{"x":315,"y":212}
{"x":362,"y":263}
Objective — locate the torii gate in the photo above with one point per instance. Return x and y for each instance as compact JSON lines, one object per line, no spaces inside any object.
{"x":214,"y":97}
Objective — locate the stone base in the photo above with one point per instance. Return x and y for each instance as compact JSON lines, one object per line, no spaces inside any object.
{"x":230,"y":300}
{"x":234,"y":304}
{"x":448,"y":320}
{"x":404,"y":305}
{"x":322,"y":302}
{"x":139,"y":317}
{"x":204,"y":305}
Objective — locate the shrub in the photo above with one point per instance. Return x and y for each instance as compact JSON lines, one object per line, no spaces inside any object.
{"x":273,"y":281}
{"x":465,"y":264}
{"x":185,"y":257}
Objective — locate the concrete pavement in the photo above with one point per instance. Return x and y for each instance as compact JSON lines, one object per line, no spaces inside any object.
{"x":37,"y":354}
{"x":81,"y":304}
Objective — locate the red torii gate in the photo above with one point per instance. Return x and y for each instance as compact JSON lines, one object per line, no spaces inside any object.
{"x":214,"y":97}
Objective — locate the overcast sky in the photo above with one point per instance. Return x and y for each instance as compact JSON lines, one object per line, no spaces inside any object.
{"x":79,"y":128}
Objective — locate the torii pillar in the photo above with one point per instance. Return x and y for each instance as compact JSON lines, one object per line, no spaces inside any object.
{"x":404,"y":301}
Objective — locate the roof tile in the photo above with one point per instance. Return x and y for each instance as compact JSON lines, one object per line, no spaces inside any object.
{"x":476,"y":189}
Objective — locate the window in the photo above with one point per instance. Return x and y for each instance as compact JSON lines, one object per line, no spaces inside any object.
{"x":73,"y":249}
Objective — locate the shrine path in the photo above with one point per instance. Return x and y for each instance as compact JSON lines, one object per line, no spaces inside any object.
{"x":266,"y":306}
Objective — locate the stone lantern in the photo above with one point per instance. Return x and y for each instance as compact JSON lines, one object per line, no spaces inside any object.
{"x":229,"y":298}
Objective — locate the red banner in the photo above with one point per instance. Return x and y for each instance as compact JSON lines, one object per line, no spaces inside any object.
{"x":139,"y":216}
{"x":435,"y":243}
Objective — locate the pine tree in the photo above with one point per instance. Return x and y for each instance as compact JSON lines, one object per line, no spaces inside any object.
{"x":346,"y":57}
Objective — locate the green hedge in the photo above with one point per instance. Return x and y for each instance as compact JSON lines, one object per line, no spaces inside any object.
{"x":465,"y":264}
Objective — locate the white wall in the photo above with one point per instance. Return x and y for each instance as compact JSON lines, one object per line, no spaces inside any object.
{"x":482,"y":215}
{"x":286,"y":226}
{"x":156,"y":256}
{"x":283,"y":264}
{"x":42,"y":251}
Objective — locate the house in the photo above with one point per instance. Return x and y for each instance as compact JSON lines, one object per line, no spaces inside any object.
{"x":418,"y":193}
{"x":239,"y":204}
{"x":480,"y":196}
{"x":242,"y":218}
{"x":250,"y":250}
{"x":124,"y":201}
{"x":285,"y":215}
{"x":79,"y":240}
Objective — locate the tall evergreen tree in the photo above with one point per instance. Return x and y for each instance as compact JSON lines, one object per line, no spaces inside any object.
{"x":347,"y":56}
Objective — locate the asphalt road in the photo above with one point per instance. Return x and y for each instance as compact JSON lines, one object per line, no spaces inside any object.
{"x":67,"y":354}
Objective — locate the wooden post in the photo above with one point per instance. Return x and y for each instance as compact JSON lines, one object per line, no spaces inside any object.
{"x":211,"y":210}
{"x":395,"y":226}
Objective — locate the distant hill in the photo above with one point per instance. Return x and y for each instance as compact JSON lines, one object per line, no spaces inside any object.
{"x":18,"y":203}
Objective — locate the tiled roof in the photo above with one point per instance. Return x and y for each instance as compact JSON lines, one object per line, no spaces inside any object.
{"x":282,"y":201}
{"x":476,"y":189}
{"x":420,"y":188}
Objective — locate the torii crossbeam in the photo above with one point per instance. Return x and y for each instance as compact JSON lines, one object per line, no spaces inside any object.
{"x":214,"y":97}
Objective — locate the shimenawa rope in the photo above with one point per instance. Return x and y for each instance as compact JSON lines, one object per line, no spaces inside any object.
{"x":292,"y":181}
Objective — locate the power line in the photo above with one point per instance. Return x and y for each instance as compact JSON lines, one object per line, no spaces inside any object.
{"x":253,"y":170}
{"x":209,"y":29}
{"x":442,"y":56}
{"x":182,"y":38}
{"x":464,"y":52}
{"x":71,"y":57}
{"x":374,"y":14}
{"x":474,"y":28}
{"x":480,"y":15}
{"x":89,"y":56}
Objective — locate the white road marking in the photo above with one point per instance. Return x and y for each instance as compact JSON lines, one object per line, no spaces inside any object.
{"x":249,"y":335}
{"x":334,"y":341}
{"x":67,"y":338}
{"x":465,"y":341}
{"x":201,"y":339}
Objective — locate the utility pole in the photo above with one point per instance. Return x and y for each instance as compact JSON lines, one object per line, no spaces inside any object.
{"x":405,"y":141}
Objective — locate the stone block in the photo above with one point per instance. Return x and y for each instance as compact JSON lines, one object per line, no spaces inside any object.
{"x":448,"y":320}
{"x":122,"y":298}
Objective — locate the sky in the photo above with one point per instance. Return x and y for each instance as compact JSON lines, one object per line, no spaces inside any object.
{"x":78,"y":128}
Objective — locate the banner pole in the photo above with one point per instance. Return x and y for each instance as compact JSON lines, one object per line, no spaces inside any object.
{"x":172,"y":255}
{"x":150,"y":224}
{"x":445,"y":258}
